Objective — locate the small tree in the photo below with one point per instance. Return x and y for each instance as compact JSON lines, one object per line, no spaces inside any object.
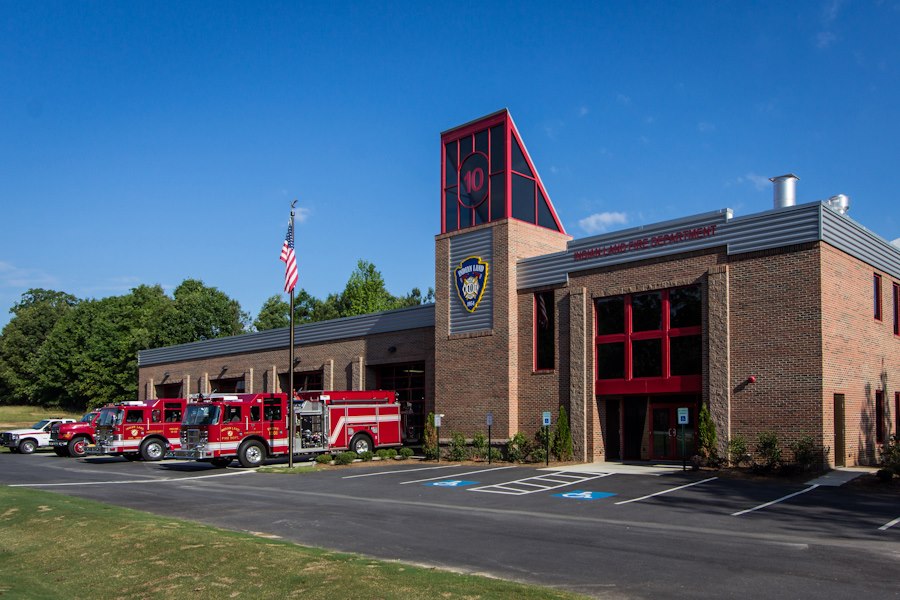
{"x":562,"y":437}
{"x":430,"y":439}
{"x":708,"y":438}
{"x":737,"y":450}
{"x":459,"y":450}
{"x":479,"y":446}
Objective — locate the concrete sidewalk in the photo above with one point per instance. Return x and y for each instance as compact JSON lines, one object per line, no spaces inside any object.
{"x":841,"y":475}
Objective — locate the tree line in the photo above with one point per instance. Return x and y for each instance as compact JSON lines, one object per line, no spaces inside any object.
{"x":62,"y":351}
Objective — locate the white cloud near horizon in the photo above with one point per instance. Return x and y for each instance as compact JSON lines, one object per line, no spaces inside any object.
{"x":17,"y":277}
{"x":896,"y":242}
{"x":602,"y":222}
{"x":760,"y":182}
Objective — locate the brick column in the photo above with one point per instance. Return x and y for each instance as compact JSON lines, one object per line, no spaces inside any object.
{"x":718,"y":376}
{"x":248,"y":385}
{"x":578,"y":374}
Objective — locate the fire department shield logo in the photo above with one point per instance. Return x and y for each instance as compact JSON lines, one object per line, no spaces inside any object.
{"x":471,"y":280}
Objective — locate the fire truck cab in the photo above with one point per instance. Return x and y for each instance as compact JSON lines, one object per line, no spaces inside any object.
{"x":138,"y":430}
{"x":252,"y":427}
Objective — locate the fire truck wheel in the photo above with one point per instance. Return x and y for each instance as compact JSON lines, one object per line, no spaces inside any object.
{"x":60,"y":451}
{"x":27,"y":446}
{"x":77,"y":445}
{"x":153,"y":449}
{"x":361,"y":443}
{"x":220,"y":463}
{"x":251,"y":454}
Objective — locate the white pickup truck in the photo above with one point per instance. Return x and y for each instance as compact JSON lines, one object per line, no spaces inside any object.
{"x":31,"y":438}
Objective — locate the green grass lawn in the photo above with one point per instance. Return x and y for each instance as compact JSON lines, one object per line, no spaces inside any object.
{"x":56,"y":546}
{"x":15,"y":417}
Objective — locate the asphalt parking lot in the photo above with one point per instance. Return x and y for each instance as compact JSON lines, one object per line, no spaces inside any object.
{"x":605,"y":533}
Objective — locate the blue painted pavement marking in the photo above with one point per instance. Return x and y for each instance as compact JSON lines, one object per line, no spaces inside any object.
{"x":581,"y":495}
{"x":450,"y":483}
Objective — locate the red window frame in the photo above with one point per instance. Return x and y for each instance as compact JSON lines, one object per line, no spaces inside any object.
{"x":879,"y":416}
{"x":666,"y":382}
{"x":897,"y":415}
{"x":896,"y":287}
{"x":876,"y":284}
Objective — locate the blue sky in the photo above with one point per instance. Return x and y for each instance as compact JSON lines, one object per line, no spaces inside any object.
{"x":149,"y":142}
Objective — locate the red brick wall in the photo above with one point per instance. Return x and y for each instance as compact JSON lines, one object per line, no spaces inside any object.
{"x":862,"y":354}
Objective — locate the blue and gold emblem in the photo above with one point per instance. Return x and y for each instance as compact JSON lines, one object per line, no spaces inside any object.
{"x":471,"y":280}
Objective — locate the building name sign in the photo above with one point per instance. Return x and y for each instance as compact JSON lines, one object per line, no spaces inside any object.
{"x":643,"y":243}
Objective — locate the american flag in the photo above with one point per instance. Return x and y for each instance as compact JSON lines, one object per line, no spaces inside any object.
{"x":289,"y":259}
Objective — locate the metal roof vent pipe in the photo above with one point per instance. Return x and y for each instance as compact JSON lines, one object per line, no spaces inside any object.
{"x":785,"y":190}
{"x":840,"y":203}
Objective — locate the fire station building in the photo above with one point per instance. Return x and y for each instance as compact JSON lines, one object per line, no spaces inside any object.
{"x":784,"y":320}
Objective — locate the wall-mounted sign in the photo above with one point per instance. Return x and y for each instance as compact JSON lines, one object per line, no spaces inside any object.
{"x":643,"y":243}
{"x":471,"y":280}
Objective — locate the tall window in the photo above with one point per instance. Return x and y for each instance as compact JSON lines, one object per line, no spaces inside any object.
{"x":897,"y":414}
{"x":649,"y":341}
{"x":879,"y":416}
{"x":876,"y":290}
{"x":896,"y":309}
{"x":544,"y":332}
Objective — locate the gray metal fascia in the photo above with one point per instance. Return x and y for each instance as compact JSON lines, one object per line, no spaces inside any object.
{"x":847,"y":235}
{"x":347,"y":327}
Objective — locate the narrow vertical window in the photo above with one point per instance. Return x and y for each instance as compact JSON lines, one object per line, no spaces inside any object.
{"x":544,"y":338}
{"x":897,"y":414}
{"x":876,"y":290}
{"x":879,"y":416}
{"x":896,"y":309}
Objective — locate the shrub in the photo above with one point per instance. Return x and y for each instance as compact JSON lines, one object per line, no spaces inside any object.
{"x":890,"y":454}
{"x":345,"y":458}
{"x":769,"y":450}
{"x":459,"y":450}
{"x":538,"y":454}
{"x":366,"y":456}
{"x":806,"y":455}
{"x":517,"y":448}
{"x":737,"y":450}
{"x":562,"y":437}
{"x":430,"y":438}
{"x":479,"y":446}
{"x":709,"y":441}
{"x":324,"y":459}
{"x":406,"y":453}
{"x":386,"y":453}
{"x":495,"y":454}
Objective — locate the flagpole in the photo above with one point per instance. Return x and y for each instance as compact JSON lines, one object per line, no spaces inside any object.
{"x":290,"y":403}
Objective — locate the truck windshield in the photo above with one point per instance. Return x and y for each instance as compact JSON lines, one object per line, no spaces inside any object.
{"x":110,"y":416}
{"x":40,"y":424}
{"x":201,"y":415}
{"x":87,"y":418}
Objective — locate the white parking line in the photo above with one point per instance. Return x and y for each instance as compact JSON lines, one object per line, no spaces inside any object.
{"x":680,"y":487}
{"x":456,"y":475}
{"x":889,"y":524}
{"x":162,"y":480}
{"x":400,"y":471}
{"x":782,"y":499}
{"x":543,"y":483}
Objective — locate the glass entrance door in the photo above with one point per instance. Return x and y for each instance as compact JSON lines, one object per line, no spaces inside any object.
{"x":666,"y":434}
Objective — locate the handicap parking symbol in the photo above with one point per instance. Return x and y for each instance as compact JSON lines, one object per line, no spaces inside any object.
{"x":451,"y":483}
{"x":582,"y":495}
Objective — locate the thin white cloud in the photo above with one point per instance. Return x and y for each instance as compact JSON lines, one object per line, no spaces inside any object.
{"x":896,"y":242}
{"x":704,"y":127}
{"x":301,"y":214}
{"x":601,"y":222}
{"x":623,"y":99}
{"x":583,"y":111}
{"x":760,"y":182}
{"x":825,"y":39}
{"x":12,"y":276}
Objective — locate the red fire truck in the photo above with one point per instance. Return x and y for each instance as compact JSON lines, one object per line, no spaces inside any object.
{"x":253,"y":427}
{"x":69,"y":439}
{"x":138,"y":430}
